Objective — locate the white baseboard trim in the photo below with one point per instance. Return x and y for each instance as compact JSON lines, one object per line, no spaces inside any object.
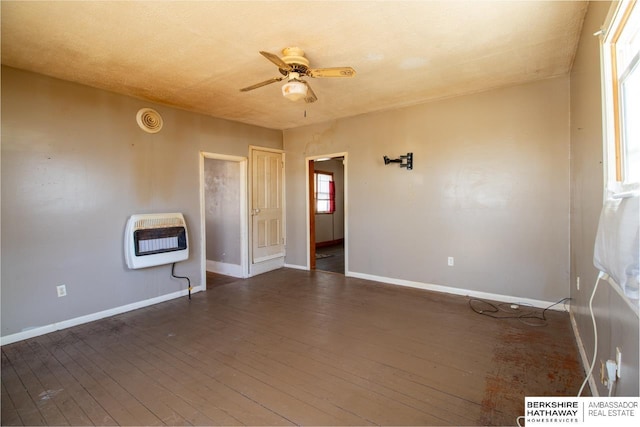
{"x":297,"y":267}
{"x":41,"y":330}
{"x":233,"y":270}
{"x":265,"y":266}
{"x":586,"y":364}
{"x":457,"y":291}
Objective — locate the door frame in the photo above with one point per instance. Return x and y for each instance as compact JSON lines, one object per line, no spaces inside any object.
{"x":244,"y":236}
{"x":311,"y":238}
{"x":263,"y":267}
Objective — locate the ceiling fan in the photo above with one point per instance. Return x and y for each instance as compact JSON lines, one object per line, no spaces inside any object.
{"x":293,"y":66}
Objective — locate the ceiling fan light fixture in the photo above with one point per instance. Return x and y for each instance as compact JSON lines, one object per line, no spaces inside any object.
{"x":292,"y":66}
{"x":294,"y":90}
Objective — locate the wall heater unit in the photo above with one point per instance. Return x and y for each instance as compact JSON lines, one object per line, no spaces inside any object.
{"x":155,"y":239}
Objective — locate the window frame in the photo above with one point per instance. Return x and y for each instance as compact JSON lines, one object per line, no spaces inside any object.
{"x":614,"y":154}
{"x":332,"y":201}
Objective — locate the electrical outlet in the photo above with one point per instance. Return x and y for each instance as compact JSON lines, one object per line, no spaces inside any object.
{"x":618,"y":361}
{"x":62,"y":290}
{"x":578,"y":282}
{"x":450,"y":261}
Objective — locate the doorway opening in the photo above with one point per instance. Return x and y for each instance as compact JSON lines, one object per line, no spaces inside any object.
{"x":223,"y":214}
{"x":327,"y":212}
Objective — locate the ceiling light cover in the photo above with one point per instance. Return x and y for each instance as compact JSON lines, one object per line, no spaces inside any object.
{"x":149,"y":120}
{"x":294,"y":90}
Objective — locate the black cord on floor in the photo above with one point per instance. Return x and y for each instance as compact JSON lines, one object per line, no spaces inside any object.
{"x":173,"y":266}
{"x":490,"y":309}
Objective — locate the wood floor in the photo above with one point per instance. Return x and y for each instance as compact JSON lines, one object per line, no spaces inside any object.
{"x":330,"y":258}
{"x":291,"y":347}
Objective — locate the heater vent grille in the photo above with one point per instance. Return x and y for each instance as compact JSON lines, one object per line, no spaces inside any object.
{"x":149,"y":120}
{"x":159,"y":222}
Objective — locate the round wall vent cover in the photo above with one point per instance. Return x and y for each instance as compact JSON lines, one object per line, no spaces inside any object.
{"x":149,"y":120}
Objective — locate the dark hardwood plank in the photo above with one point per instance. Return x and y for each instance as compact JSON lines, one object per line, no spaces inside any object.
{"x":36,"y":386}
{"x":189,"y":392}
{"x":209,"y":390}
{"x":291,"y":347}
{"x":328,"y":390}
{"x":152,"y":404}
{"x":218,"y":394}
{"x":110,"y":380}
{"x":8,"y":412}
{"x":240,"y":356}
{"x":129,"y":369}
{"x":26,"y":408}
{"x":54,"y":393}
{"x":368,"y":347}
{"x":215,"y":279}
{"x":340,"y":373}
{"x":90,"y":377}
{"x":92,"y":411}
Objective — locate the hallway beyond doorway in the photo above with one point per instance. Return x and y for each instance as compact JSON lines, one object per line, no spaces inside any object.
{"x":330,"y":258}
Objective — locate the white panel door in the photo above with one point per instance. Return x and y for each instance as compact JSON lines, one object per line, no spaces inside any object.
{"x":267,"y":209}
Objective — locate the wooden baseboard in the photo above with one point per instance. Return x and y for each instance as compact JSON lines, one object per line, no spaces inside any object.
{"x":329,"y":243}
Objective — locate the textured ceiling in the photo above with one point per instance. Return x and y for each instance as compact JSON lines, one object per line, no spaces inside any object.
{"x":197,"y":55}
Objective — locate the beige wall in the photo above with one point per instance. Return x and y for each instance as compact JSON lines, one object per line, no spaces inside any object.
{"x":617,"y":323}
{"x":75,"y":166}
{"x":490,"y":187}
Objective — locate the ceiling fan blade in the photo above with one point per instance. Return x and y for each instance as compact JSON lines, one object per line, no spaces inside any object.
{"x":276,"y":60}
{"x":332,"y":72}
{"x":264,"y":83}
{"x":311,"y":96}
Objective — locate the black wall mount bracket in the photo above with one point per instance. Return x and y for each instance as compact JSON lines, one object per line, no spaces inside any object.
{"x":405,"y":161}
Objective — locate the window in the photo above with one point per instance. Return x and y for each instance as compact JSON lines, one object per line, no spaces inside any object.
{"x":325,"y":193}
{"x":621,"y":86}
